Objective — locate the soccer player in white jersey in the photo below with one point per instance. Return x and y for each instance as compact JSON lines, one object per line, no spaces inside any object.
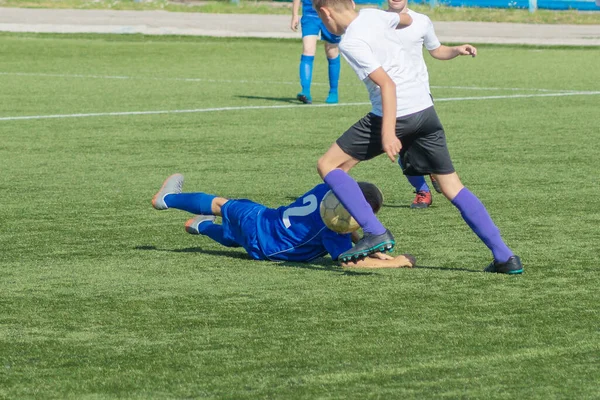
{"x":402,"y":120}
{"x":418,"y":35}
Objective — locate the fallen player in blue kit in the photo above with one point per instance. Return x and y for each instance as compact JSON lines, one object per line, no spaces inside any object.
{"x":294,"y":232}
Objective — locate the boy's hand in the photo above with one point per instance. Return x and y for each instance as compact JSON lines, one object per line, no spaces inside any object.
{"x":467,"y":50}
{"x":391,"y":145}
{"x":381,"y":256}
{"x":295,"y":22}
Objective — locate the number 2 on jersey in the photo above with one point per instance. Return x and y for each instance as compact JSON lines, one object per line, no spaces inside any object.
{"x":310,"y":206}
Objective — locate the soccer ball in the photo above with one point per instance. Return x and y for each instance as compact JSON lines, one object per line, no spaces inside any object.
{"x":335,"y":216}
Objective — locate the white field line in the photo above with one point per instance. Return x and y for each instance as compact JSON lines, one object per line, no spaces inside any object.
{"x":297,"y":106}
{"x":260,"y":82}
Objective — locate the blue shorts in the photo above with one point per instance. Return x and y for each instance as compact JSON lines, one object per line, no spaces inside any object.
{"x":239,"y":225}
{"x":312,"y":25}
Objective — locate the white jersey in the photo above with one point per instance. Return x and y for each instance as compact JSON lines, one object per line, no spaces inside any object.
{"x":420,"y":33}
{"x":371,"y":42}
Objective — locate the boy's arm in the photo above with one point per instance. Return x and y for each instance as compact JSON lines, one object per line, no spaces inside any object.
{"x":295,"y":15}
{"x":380,"y":260}
{"x":405,"y":21}
{"x":390,"y":143}
{"x":448,"y":53}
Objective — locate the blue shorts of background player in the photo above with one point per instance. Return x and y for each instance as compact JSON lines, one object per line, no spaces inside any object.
{"x":312,"y":28}
{"x":294,"y":232}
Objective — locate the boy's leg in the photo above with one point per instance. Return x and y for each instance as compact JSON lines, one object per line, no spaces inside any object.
{"x":204,"y":225}
{"x":423,"y":194}
{"x":170,"y":196}
{"x":476,"y":216}
{"x":376,"y":236}
{"x":428,"y":152}
{"x":333,"y":59}
{"x":309,"y":47}
{"x":435,"y":184}
{"x":196,"y":203}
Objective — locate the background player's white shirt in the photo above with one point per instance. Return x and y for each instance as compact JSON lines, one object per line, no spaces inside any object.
{"x":371,"y":42}
{"x":420,"y":33}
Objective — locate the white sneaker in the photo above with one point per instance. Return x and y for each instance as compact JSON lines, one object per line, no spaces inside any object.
{"x":191,"y":226}
{"x":172,"y":185}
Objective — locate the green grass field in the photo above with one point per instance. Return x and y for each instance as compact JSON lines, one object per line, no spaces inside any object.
{"x":104,"y":297}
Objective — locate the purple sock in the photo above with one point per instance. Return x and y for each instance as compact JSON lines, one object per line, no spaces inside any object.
{"x":195,"y":203}
{"x":216,"y":233}
{"x":348,"y":192}
{"x":476,"y":216}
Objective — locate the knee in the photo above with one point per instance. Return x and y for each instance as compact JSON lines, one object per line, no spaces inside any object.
{"x":450,"y":185}
{"x":332,"y":52}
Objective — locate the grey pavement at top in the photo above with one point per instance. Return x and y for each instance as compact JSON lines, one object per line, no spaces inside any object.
{"x":269,"y":26}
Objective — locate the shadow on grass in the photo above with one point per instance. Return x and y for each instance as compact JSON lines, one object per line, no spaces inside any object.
{"x":319,"y":265}
{"x":291,"y":100}
{"x":447,"y":269}
{"x":396,"y":205}
{"x":324,"y":265}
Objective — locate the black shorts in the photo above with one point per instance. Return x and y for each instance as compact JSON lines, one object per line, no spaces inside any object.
{"x":424,"y":150}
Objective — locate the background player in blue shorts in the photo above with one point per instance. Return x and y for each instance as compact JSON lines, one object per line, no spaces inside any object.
{"x":312,"y":26}
{"x":291,"y":233}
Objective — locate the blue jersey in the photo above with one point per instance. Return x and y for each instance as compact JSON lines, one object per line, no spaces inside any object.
{"x":297,"y":232}
{"x":307,"y":9}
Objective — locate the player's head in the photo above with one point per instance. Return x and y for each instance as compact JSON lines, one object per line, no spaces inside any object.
{"x":397,"y":5}
{"x":335,"y":14}
{"x":372,"y":194}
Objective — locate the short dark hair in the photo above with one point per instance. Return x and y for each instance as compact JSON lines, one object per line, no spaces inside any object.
{"x":338,"y":4}
{"x":372,"y":194}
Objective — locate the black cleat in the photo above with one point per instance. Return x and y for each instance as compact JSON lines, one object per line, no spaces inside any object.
{"x":304,"y":98}
{"x":368,"y":245}
{"x":435,"y":184}
{"x":513,"y":266}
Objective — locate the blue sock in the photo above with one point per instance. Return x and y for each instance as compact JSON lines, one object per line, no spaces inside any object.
{"x":195,"y":203}
{"x":418,"y":182}
{"x":334,"y":73}
{"x":216,"y":233}
{"x":306,"y":69}
{"x":478,"y":219}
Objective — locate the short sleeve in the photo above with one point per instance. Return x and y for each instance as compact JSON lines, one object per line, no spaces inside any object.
{"x":335,"y":243}
{"x":360,"y":56}
{"x":430,"y":40}
{"x":393,"y":19}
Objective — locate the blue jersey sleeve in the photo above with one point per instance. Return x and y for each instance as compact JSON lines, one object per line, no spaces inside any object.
{"x":336,"y":243}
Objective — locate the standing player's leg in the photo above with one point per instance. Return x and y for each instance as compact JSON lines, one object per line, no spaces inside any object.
{"x":477,"y":217}
{"x":423,"y":194}
{"x":309,"y":47}
{"x":332,"y":52}
{"x":333,"y":60}
{"x":427,"y":152}
{"x":310,"y":32}
{"x":333,"y":167}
